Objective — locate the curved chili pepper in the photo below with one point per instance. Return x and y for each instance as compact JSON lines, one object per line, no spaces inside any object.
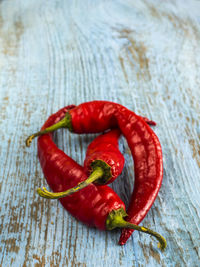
{"x":144,"y":144}
{"x":103,"y":163}
{"x":104,"y":151}
{"x":97,"y":206}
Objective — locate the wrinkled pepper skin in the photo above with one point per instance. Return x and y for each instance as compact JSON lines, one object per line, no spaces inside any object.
{"x":98,"y":116}
{"x":90,"y":205}
{"x":105,"y":148}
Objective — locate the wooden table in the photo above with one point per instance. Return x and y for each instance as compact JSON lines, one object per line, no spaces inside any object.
{"x":142,"y":54}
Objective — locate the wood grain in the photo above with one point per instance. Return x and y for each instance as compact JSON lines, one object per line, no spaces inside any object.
{"x":142,"y":54}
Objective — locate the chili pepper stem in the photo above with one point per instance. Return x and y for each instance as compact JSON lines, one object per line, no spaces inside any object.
{"x":96,"y":174}
{"x":64,"y":123}
{"x":115,"y":219}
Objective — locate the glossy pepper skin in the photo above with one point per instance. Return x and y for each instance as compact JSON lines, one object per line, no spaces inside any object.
{"x":144,"y":145}
{"x":95,"y":206}
{"x":103,"y":163}
{"x":91,"y":205}
{"x":104,"y":149}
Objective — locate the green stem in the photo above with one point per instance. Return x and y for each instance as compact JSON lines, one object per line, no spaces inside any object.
{"x":115,"y":219}
{"x":96,"y":174}
{"x":64,"y":123}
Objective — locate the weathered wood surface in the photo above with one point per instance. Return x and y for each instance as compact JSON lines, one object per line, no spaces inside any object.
{"x":143,"y":54}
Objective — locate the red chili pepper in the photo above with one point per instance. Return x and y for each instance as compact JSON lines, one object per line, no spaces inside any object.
{"x":97,"y":206}
{"x":103,"y":163}
{"x":143,"y":142}
{"x":104,"y":152}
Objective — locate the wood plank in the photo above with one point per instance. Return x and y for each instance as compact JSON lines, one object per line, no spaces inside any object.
{"x":142,"y":54}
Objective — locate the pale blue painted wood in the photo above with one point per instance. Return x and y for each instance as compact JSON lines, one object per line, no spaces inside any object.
{"x":142,"y":54}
